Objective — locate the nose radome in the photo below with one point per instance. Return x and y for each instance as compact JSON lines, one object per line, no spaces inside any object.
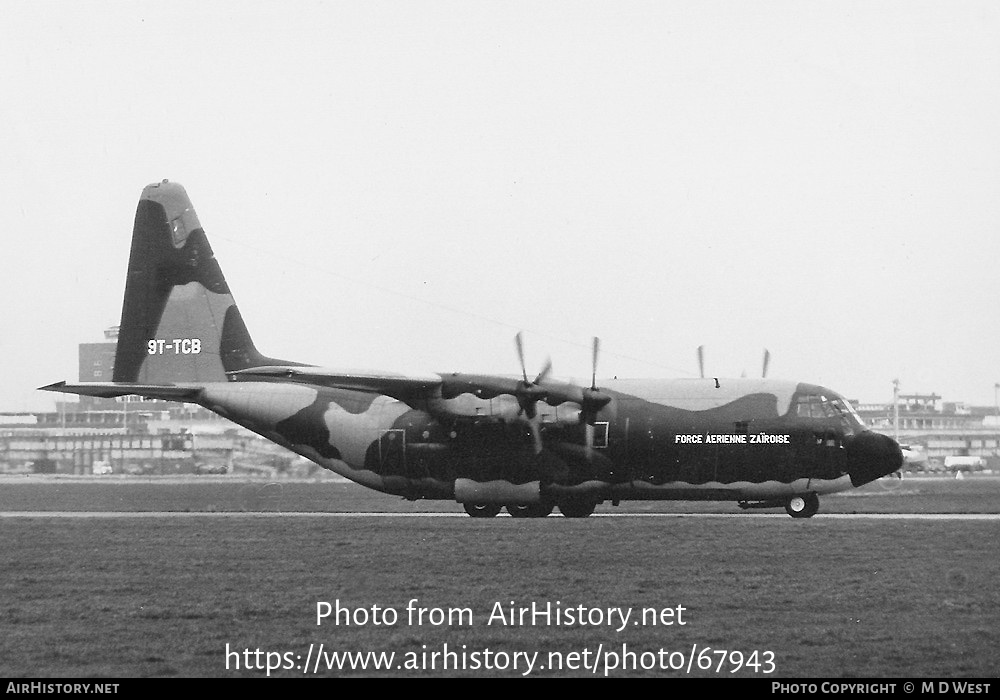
{"x":871,"y":456}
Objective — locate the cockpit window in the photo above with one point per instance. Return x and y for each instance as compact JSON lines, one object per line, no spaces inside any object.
{"x":821,"y":406}
{"x":803,"y":406}
{"x":814,"y":406}
{"x":845,"y":407}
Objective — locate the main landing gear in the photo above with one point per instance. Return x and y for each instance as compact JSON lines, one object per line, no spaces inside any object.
{"x":802,"y":506}
{"x":482,"y":510}
{"x":569,"y":509}
{"x":531,"y":510}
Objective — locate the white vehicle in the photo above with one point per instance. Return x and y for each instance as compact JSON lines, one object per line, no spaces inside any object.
{"x":963,"y":463}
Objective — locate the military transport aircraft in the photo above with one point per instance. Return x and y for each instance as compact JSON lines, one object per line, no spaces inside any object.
{"x":486,"y":441}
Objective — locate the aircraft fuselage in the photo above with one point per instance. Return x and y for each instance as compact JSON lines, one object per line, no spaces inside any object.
{"x":728,"y":439}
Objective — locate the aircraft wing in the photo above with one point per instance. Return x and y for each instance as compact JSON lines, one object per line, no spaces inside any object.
{"x":399,"y":386}
{"x":415,"y":387}
{"x":408,"y":388}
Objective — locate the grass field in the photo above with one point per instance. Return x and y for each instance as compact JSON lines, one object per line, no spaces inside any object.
{"x":164,"y":596}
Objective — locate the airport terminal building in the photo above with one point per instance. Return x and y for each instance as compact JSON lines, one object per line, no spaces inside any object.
{"x":132,"y":435}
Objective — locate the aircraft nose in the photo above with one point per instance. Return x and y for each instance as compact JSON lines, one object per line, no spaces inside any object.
{"x":871,"y":456}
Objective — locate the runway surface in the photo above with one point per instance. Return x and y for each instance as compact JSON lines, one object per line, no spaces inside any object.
{"x":118,"y":515}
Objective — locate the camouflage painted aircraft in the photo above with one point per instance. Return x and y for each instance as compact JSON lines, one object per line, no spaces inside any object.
{"x":486,"y":441}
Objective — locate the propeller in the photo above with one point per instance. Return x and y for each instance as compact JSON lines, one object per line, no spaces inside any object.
{"x":530,"y":392}
{"x":701,"y":361}
{"x":767,"y":361}
{"x":592,"y":402}
{"x":546,"y":369}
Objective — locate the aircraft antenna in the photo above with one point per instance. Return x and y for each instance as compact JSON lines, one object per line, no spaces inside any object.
{"x":520,"y":355}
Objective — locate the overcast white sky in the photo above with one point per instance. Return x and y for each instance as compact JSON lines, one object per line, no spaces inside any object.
{"x":405,"y":185}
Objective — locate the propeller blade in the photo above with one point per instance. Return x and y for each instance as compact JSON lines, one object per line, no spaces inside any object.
{"x":593,"y":374}
{"x":545,"y":371}
{"x":701,"y":361}
{"x":593,"y":400}
{"x":767,"y":360}
{"x":520,"y":355}
{"x":536,"y":435}
{"x":529,"y":393}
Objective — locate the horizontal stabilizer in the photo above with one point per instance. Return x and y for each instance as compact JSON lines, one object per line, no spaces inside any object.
{"x":110,"y":390}
{"x":399,"y":386}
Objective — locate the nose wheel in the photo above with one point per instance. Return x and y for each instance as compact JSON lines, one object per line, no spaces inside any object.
{"x":802,"y":506}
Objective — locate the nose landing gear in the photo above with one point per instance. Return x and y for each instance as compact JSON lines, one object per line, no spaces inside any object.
{"x":802,"y":506}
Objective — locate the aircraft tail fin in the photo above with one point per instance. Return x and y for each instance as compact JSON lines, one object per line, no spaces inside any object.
{"x":179,"y":320}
